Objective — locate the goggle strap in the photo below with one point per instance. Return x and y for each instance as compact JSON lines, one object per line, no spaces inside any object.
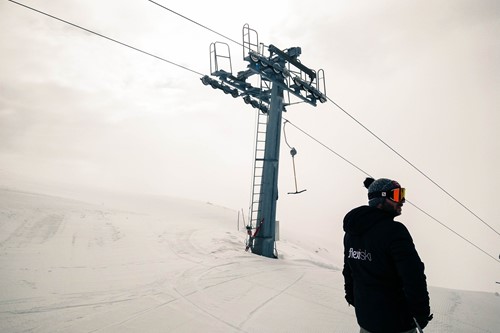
{"x":380,"y":194}
{"x":396,"y":194}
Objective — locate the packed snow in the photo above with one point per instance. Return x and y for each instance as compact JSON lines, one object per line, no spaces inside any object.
{"x":123,"y":263}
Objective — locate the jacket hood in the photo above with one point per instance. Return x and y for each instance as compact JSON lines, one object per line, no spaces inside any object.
{"x":360,"y":219}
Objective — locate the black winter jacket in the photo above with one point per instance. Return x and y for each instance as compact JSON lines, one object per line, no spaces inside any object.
{"x":384,"y":276}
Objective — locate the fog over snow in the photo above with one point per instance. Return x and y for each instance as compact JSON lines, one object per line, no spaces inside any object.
{"x":80,"y":115}
{"x":102,"y":262}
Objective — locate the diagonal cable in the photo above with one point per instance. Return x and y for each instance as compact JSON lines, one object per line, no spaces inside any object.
{"x":412,"y":165}
{"x":411,"y":203}
{"x":106,"y":37}
{"x":453,"y":231}
{"x":325,"y":146}
{"x":193,"y":21}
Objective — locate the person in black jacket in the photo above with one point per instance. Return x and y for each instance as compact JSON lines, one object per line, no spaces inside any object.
{"x":384,"y":276}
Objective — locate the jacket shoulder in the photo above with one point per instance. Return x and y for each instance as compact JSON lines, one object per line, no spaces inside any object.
{"x":399,"y":229}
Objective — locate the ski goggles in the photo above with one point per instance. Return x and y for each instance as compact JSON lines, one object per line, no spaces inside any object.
{"x":396,"y":195}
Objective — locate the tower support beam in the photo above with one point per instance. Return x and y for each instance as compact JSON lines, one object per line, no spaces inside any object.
{"x":265,"y":238}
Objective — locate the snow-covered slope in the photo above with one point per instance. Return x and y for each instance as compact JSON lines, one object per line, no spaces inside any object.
{"x":150,"y":264}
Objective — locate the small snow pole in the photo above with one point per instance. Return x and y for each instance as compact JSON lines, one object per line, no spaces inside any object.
{"x":249,"y":239}
{"x":419,"y":329}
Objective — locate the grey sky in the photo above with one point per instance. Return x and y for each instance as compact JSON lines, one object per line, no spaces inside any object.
{"x":423,"y":75}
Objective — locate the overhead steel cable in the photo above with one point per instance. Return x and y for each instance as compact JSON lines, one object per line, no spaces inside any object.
{"x":412,"y":165}
{"x":193,"y":21}
{"x":328,"y":148}
{"x":106,"y":37}
{"x":453,"y":231}
{"x":411,"y":203}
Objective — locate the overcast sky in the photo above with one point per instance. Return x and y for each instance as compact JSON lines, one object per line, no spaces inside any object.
{"x":423,"y":75}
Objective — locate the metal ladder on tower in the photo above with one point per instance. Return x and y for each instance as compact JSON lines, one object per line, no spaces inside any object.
{"x":260,"y":145}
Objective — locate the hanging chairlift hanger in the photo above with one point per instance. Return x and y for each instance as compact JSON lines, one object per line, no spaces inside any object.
{"x":293,"y":152}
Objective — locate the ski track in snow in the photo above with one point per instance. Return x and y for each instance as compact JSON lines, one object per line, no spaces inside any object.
{"x":69,"y":266}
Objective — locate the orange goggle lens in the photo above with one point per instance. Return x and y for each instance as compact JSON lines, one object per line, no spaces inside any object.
{"x":397,"y":195}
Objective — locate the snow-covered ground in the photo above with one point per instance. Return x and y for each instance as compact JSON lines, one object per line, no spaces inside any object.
{"x":120,"y":263}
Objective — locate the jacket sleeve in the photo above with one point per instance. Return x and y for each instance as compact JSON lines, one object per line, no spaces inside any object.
{"x":348,"y":282}
{"x":411,"y":271}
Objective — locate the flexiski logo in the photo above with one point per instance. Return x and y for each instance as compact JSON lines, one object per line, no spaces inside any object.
{"x":360,"y":255}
